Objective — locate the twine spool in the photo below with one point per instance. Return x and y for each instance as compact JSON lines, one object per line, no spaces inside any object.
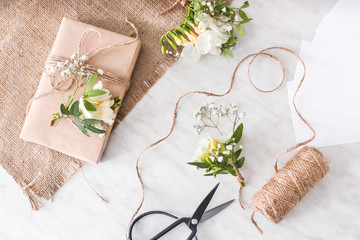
{"x":290,"y":184}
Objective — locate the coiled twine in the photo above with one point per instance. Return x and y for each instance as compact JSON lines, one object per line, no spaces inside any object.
{"x":290,"y":184}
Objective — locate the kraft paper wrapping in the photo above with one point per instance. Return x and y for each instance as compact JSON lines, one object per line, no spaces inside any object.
{"x":65,"y":137}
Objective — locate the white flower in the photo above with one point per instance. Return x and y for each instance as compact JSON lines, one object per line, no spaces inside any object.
{"x":208,"y":3}
{"x":212,"y":158}
{"x":52,"y":68}
{"x":211,"y":8}
{"x":73,"y":56}
{"x":229,"y":147}
{"x":224,"y":9}
{"x":60,"y":64}
{"x":226,"y":152}
{"x":84,"y":58}
{"x":203,"y":3}
{"x":100,"y":71}
{"x":221,"y":158}
{"x":102,"y":103}
{"x":65,"y":73}
{"x":237,"y":18}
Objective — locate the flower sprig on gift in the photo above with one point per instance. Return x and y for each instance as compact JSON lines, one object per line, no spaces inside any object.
{"x":220,"y":155}
{"x":95,"y":109}
{"x":208,"y":28}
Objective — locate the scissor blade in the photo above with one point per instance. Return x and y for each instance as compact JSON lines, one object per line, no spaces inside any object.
{"x":212,"y":212}
{"x":204,"y":204}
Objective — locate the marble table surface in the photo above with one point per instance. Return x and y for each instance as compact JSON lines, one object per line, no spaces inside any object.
{"x":330,"y":211}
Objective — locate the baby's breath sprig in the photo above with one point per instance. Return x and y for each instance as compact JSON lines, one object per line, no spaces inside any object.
{"x":95,"y":108}
{"x":202,"y":15}
{"x":221,"y":157}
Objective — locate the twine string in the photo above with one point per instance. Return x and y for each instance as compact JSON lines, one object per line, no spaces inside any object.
{"x":290,"y":185}
{"x":255,"y":55}
{"x":108,"y":76}
{"x":181,"y":2}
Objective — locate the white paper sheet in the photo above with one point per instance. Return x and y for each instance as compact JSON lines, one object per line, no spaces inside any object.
{"x":329,"y":98}
{"x":341,"y":27}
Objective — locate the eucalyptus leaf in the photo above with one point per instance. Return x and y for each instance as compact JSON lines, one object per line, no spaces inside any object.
{"x":238,"y":133}
{"x":94,"y":129}
{"x":90,"y":83}
{"x":241,"y":31}
{"x":80,"y":126}
{"x":91,"y":121}
{"x":96,"y":92}
{"x":199,"y":164}
{"x":74,"y":110}
{"x":89,"y":106}
{"x":64,"y":110}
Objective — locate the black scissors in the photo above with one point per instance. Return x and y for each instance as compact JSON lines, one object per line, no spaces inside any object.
{"x":199,"y":216}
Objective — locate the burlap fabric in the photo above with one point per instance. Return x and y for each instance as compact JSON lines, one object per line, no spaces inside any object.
{"x":27,"y":32}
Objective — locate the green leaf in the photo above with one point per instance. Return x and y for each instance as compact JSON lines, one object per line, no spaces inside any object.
{"x":245,"y":21}
{"x":91,"y":121}
{"x":232,"y":32}
{"x":199,"y":164}
{"x":245,"y":5}
{"x":94,"y":129}
{"x":238,"y":133}
{"x":89,"y":106}
{"x":70,"y":99}
{"x":90,"y":83}
{"x":96,"y":92}
{"x":236,"y":154}
{"x":80,"y":126}
{"x":240,"y":162}
{"x":242,"y":14}
{"x":231,"y":41}
{"x":74,"y":110}
{"x":220,"y":171}
{"x":241,"y":31}
{"x":228,"y":52}
{"x":64,"y":110}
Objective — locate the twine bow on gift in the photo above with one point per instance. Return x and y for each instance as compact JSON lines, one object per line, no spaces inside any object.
{"x":107,"y":76}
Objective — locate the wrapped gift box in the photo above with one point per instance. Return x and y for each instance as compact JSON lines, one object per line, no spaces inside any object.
{"x":65,"y":137}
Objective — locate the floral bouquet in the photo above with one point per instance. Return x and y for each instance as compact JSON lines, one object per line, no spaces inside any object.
{"x":208,"y":28}
{"x":220,"y":155}
{"x":95,"y":109}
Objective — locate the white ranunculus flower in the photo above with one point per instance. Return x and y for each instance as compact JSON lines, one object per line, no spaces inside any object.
{"x":102,"y":103}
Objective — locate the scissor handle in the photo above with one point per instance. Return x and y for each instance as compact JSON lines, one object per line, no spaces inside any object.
{"x":166,"y":230}
{"x":144,"y":215}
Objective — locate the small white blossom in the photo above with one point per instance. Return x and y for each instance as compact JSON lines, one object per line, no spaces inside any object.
{"x":73,"y":56}
{"x":60,"y":64}
{"x":229,"y":147}
{"x":221,"y":158}
{"x":224,"y":9}
{"x":100,"y":71}
{"x":219,"y":146}
{"x":208,"y":3}
{"x":226,"y":152}
{"x":84,"y":58}
{"x":203,"y":3}
{"x":52,"y":69}
{"x":211,"y":8}
{"x":212,"y":158}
